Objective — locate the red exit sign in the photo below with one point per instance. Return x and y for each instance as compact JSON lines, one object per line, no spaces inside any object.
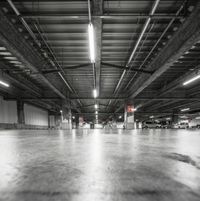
{"x":130,"y":108}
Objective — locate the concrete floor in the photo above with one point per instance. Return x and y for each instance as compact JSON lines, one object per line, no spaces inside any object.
{"x":94,"y":165}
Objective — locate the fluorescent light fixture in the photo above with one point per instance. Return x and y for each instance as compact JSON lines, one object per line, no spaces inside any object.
{"x":185,"y":109}
{"x":91,"y":42}
{"x":2,"y":48}
{"x":96,"y":112}
{"x":94,"y":93}
{"x":5,"y":53}
{"x":11,"y":58}
{"x":197,"y":118}
{"x":15,"y":62}
{"x":96,"y":106}
{"x":191,"y":80}
{"x":20,"y":65}
{"x":4,"y":83}
{"x":183,"y":117}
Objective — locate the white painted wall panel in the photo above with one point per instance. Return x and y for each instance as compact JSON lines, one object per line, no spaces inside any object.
{"x":8,"y":111}
{"x":35,"y":116}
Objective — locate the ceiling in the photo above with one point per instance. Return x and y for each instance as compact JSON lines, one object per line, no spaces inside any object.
{"x":49,"y":40}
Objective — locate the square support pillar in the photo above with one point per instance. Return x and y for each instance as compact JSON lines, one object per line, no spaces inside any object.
{"x":129,"y":122}
{"x":175,"y":117}
{"x":66,"y":115}
{"x":20,"y":112}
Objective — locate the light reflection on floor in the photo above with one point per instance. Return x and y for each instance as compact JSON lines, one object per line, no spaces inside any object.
{"x":99,"y":165}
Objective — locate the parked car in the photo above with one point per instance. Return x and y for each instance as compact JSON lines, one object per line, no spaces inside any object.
{"x":182,"y":125}
{"x":150,"y":124}
{"x":194,"y":123}
{"x":165,"y":125}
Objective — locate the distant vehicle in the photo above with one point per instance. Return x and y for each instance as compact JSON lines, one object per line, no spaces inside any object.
{"x":165,"y":125}
{"x":194,"y":123}
{"x":182,"y":125}
{"x":150,"y":124}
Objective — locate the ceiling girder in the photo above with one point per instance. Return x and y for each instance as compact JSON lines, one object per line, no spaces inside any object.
{"x":125,"y":68}
{"x":181,"y":42}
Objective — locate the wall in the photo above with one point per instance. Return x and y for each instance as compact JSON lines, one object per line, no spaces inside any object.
{"x":35,"y":116}
{"x":8,"y":111}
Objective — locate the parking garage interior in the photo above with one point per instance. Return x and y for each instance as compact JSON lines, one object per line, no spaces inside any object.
{"x":100,"y":100}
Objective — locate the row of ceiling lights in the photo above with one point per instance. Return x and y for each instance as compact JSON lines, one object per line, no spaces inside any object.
{"x":91,"y":37}
{"x":6,"y":55}
{"x":11,"y":60}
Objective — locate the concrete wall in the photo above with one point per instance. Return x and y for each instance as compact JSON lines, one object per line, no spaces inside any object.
{"x":35,"y":116}
{"x":8,"y":111}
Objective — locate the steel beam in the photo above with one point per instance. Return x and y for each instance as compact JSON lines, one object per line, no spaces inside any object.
{"x":179,"y":81}
{"x":12,"y":40}
{"x":125,"y":68}
{"x":118,"y":99}
{"x":147,"y":22}
{"x":105,"y":16}
{"x":158,"y":41}
{"x":181,"y":42}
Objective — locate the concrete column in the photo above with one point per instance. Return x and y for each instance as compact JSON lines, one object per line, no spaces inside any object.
{"x":58,"y":121}
{"x":129,"y":116}
{"x":52,"y":120}
{"x":80,"y":121}
{"x":174,"y":117}
{"x":20,"y":112}
{"x":70,"y":118}
{"x":66,"y":115}
{"x":125,"y":116}
{"x":114,"y":122}
{"x":76,"y":120}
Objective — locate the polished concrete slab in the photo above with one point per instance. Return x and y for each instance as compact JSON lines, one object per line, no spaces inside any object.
{"x":100,"y":165}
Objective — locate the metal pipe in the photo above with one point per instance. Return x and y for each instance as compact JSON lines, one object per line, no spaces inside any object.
{"x":94,"y":75}
{"x":38,"y":43}
{"x":23,"y":22}
{"x":50,"y":50}
{"x":89,"y":11}
{"x":122,"y":67}
{"x":137,"y":43}
{"x":105,"y":16}
{"x":160,"y":38}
